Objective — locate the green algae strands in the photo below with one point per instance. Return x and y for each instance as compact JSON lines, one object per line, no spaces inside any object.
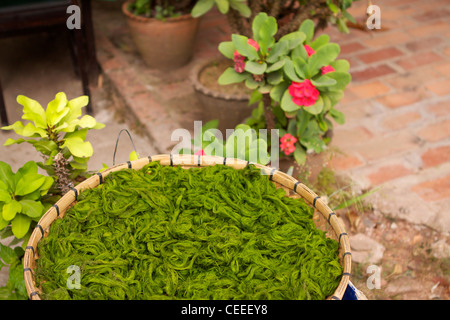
{"x":161,"y":231}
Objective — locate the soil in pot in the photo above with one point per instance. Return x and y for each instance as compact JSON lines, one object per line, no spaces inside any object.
{"x":227,"y":103}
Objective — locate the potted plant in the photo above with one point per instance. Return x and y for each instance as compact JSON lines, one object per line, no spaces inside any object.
{"x":164,"y":31}
{"x":297,"y":81}
{"x":232,"y":103}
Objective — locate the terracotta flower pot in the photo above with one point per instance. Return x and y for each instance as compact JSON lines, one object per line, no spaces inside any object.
{"x":165,"y":44}
{"x":230,"y":109}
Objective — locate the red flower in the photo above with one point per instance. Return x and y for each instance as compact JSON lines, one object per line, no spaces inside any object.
{"x":287,"y":144}
{"x":303,"y":93}
{"x":327,"y":69}
{"x":239,"y":63}
{"x":239,"y":60}
{"x":253,"y":43}
{"x":200,"y":153}
{"x":309,"y":50}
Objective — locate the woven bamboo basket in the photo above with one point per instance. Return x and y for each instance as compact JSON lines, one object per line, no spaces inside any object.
{"x":324,"y":218}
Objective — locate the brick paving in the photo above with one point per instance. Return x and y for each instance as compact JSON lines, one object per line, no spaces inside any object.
{"x":397,"y":130}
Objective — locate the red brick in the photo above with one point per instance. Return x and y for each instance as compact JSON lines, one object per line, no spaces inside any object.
{"x":400,"y":99}
{"x":423,"y":44}
{"x":389,"y":38}
{"x":369,"y":90}
{"x":441,"y":88}
{"x":431,"y":29}
{"x":443,"y":68}
{"x":351,"y":47}
{"x":414,"y":81}
{"x":344,"y":136}
{"x":436,"y":156}
{"x":401,"y":121}
{"x":381,"y":54}
{"x":435,"y":131}
{"x":386,"y":145}
{"x":345,"y":162}
{"x":387,"y":173}
{"x":440,"y":109}
{"x":372,"y":72}
{"x":433,"y":14}
{"x":433,"y":190}
{"x":419,"y":60}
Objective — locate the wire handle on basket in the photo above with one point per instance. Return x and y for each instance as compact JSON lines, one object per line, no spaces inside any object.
{"x":117,"y":142}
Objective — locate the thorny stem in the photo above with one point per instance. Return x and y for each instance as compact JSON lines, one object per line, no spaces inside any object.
{"x":268,"y":113}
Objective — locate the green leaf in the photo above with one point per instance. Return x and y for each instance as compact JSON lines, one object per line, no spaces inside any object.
{"x":10,"y":210}
{"x":323,"y":81}
{"x":321,"y":40}
{"x":342,"y":80}
{"x":7,"y":176}
{"x":87,"y":121}
{"x":3,"y":224}
{"x":280,"y":49}
{"x":10,"y":141}
{"x":31,"y":131}
{"x":7,"y":254}
{"x":241,"y":7}
{"x":201,"y":7}
{"x":275,"y":77}
{"x":240,"y":42}
{"x":255,"y":67}
{"x":223,"y":6}
{"x":266,"y":32}
{"x":277,"y":91}
{"x":323,"y":57}
{"x":29,"y":183}
{"x":287,"y":104}
{"x":299,"y":154}
{"x":290,"y":71}
{"x":255,"y":97}
{"x":20,"y":225}
{"x":307,"y":27}
{"x":32,"y":111}
{"x":315,"y":108}
{"x":340,"y":65}
{"x":230,"y":76}
{"x":33,"y":209}
{"x":300,"y":67}
{"x":46,"y":185}
{"x":257,"y":23}
{"x":45,"y":146}
{"x":227,"y":49}
{"x":4,"y":195}
{"x":276,"y":66}
{"x":338,"y":116}
{"x":78,"y":147}
{"x":16,"y":126}
{"x":294,"y":39}
{"x":56,"y":109}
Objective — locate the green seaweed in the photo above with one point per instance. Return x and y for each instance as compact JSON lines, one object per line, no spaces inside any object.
{"x":205,"y":233}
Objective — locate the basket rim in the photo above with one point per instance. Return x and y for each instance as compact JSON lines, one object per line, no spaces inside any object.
{"x":275,"y":175}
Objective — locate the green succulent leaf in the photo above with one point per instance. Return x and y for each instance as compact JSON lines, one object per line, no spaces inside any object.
{"x":241,"y":7}
{"x":240,"y":42}
{"x":20,"y":225}
{"x":255,"y":67}
{"x":201,"y":7}
{"x":227,"y":49}
{"x":307,"y":27}
{"x":10,"y":210}
{"x":323,"y":57}
{"x":315,"y":108}
{"x":33,"y":111}
{"x":78,"y":147}
{"x":287,"y":104}
{"x":230,"y":76}
{"x":29,"y":183}
{"x":33,"y":209}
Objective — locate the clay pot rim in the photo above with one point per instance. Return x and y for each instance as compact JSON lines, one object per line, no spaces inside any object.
{"x":141,"y":19}
{"x":194,"y":77}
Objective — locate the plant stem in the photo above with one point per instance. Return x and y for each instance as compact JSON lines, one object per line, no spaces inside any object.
{"x":268,"y":113}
